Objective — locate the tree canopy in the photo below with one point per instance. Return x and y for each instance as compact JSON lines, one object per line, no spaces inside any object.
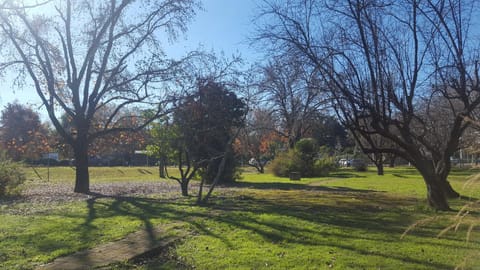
{"x":22,"y":134}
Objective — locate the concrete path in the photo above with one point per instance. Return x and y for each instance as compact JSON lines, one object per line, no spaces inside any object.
{"x":134,"y":245}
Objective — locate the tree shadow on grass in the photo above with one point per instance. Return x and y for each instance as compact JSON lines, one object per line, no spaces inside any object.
{"x":144,"y":171}
{"x":346,"y":175}
{"x":348,"y":210}
{"x":296,"y":186}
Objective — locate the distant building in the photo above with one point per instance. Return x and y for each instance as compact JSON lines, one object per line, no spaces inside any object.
{"x":51,"y":156}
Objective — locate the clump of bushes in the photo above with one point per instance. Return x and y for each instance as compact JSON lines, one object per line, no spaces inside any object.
{"x":11,"y":176}
{"x":285,"y":163}
{"x":303,"y":159}
{"x":324,"y":166}
{"x":359,"y":165}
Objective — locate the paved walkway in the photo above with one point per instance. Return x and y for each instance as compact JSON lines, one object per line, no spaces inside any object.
{"x":132,"y":246}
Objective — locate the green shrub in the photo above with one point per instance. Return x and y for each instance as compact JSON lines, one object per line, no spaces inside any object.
{"x":302,"y":159}
{"x":324,"y":166}
{"x":284,"y":163}
{"x":11,"y":176}
{"x":359,"y":165}
{"x":307,"y":151}
{"x":308,"y":148}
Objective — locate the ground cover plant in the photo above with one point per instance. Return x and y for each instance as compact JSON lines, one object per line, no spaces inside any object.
{"x":349,"y":220}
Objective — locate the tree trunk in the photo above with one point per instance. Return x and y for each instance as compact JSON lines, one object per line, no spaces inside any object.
{"x":220,"y":170}
{"x":82,"y":179}
{"x":161,"y":167}
{"x":436,"y":197}
{"x":200,"y":191}
{"x":378,"y":160}
{"x":392,"y":161}
{"x":444,"y":171}
{"x":379,"y":168}
{"x":184,"y":187}
{"x":448,"y":190}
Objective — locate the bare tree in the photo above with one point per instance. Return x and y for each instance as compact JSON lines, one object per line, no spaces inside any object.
{"x":85,"y":55}
{"x":383,"y":61}
{"x":292,"y":92}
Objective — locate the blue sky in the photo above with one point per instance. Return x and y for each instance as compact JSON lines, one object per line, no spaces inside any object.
{"x":222,"y":25}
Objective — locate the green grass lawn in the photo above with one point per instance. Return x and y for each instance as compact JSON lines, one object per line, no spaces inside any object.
{"x":97,"y":174}
{"x":349,"y":220}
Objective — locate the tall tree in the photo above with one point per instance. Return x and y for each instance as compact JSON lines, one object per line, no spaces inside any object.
{"x":293,"y":93}
{"x":84,"y":55}
{"x":22,"y":134}
{"x":382,"y":62}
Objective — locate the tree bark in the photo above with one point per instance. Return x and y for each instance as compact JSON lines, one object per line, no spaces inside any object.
{"x":161,"y":167}
{"x":379,"y":168}
{"x":448,"y":190}
{"x":220,"y":170}
{"x":200,"y":191}
{"x":184,"y":187}
{"x":392,"y":161}
{"x":436,"y":195}
{"x":82,"y":178}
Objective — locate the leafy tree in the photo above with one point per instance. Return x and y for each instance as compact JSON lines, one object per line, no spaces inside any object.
{"x":207,"y":120}
{"x":121,"y":143}
{"x":170,"y":144}
{"x":117,"y":146}
{"x":22,"y":134}
{"x":164,"y":142}
{"x":383,"y":64}
{"x":85,"y":55}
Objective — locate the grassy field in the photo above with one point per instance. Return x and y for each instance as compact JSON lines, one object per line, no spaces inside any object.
{"x":349,"y":220}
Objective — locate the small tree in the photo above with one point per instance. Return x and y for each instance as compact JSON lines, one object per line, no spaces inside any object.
{"x":259,"y":140}
{"x":169,"y":144}
{"x":206,"y":120}
{"x":307,"y":150}
{"x":163,"y":134}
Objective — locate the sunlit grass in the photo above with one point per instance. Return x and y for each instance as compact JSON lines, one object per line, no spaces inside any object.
{"x":97,"y":174}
